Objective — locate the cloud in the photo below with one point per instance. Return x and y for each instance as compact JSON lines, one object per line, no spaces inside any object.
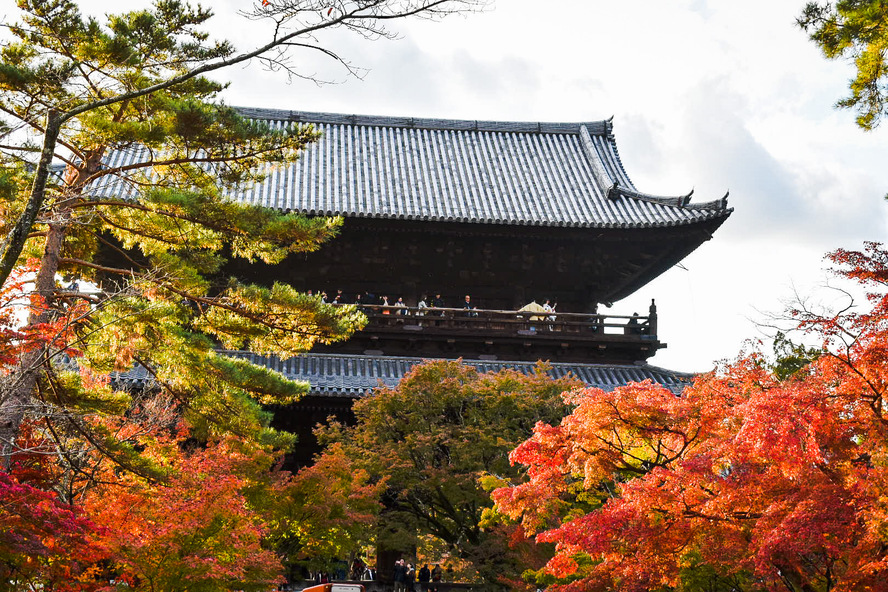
{"x":779,"y":199}
{"x":512,"y":77}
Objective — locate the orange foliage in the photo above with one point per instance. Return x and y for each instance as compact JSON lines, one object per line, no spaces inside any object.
{"x":12,"y":293}
{"x":196,"y":530}
{"x":768,"y":484}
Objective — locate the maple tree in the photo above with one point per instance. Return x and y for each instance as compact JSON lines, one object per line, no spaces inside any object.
{"x":323,"y":513}
{"x":747,"y":481}
{"x":433,"y":438}
{"x":44,"y":542}
{"x":194,"y":515}
{"x":189,"y":518}
{"x":224,"y":516}
{"x":11,"y":338}
{"x":195,"y":528}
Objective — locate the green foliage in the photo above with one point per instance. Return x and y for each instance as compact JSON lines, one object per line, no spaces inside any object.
{"x":13,"y":179}
{"x":323,"y":513}
{"x":790,"y":359}
{"x":855,"y":29}
{"x":434,"y":437}
{"x":698,"y":576}
{"x":154,"y":230}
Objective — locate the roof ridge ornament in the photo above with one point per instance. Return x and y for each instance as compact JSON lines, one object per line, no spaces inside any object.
{"x":614,"y":192}
{"x":718,"y":204}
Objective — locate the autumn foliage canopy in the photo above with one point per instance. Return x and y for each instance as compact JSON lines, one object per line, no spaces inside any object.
{"x":744,"y":482}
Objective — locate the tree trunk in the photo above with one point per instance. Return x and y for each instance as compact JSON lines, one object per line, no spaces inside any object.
{"x":18,"y":397}
{"x":15,"y":241}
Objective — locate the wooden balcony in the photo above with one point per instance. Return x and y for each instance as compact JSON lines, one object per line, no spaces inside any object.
{"x":505,"y":334}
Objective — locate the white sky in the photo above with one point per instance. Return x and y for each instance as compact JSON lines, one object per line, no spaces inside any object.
{"x":705,"y":94}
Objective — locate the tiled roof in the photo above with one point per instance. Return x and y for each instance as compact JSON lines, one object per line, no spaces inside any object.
{"x":341,"y":375}
{"x":544,"y":174}
{"x":355,"y":375}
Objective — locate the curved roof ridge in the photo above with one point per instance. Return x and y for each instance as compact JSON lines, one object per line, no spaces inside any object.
{"x":601,"y":127}
{"x":613,"y":142}
{"x":680,"y":201}
{"x":717,"y":204}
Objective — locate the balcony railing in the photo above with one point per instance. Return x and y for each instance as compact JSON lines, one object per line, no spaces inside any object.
{"x":512,"y":322}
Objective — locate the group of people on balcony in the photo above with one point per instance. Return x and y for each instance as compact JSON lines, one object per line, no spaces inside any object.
{"x":397,"y":306}
{"x":427,"y":306}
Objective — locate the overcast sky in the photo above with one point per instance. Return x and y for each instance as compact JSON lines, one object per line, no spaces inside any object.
{"x":713,"y":96}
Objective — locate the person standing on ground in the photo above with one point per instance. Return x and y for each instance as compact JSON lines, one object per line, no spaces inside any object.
{"x":410,"y":578}
{"x":399,"y":576}
{"x":425,"y":576}
{"x":437,"y":574}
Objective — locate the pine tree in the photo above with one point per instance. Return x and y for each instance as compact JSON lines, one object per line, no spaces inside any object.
{"x":855,"y":29}
{"x":74,"y":90}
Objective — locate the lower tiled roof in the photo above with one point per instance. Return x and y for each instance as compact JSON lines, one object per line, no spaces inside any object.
{"x":353,"y":376}
{"x":341,"y":375}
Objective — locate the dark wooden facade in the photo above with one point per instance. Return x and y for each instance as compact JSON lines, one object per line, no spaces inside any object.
{"x":502,"y":267}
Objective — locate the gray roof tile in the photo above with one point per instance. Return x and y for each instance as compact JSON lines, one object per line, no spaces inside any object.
{"x":516,"y":173}
{"x":341,"y":375}
{"x":352,"y":376}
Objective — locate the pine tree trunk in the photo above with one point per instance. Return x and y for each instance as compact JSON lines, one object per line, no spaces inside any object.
{"x":18,"y":395}
{"x":12,"y":245}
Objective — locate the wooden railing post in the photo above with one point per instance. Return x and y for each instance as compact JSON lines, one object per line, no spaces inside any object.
{"x":652,"y":319}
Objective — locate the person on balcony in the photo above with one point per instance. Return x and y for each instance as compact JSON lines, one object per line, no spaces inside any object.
{"x":633,"y":327}
{"x":469,"y":307}
{"x":438,"y":302}
{"x":549,"y":307}
{"x":421,"y":307}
